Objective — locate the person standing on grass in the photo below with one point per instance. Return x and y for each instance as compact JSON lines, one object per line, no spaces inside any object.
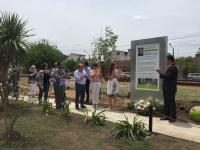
{"x":112,"y":85}
{"x":59,"y":86}
{"x":43,"y":81}
{"x":80,"y":80}
{"x":14,"y":79}
{"x":53,"y":72}
{"x":96,"y":75}
{"x":32,"y":73}
{"x":87,"y":84}
{"x":169,"y":88}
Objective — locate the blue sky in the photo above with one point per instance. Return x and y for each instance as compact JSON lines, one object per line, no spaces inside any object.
{"x":72,"y":24}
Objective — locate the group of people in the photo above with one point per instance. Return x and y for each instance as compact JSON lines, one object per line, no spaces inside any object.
{"x":42,"y":79}
{"x":84,"y":78}
{"x":85,"y":75}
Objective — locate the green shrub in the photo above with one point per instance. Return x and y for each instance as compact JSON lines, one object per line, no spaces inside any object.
{"x":66,"y":110}
{"x":96,"y":118}
{"x":131,"y":131}
{"x":159,"y":108}
{"x":46,"y":107}
{"x":130,"y":105}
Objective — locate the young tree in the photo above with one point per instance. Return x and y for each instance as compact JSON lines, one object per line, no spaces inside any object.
{"x":13,"y":42}
{"x":101,"y":47}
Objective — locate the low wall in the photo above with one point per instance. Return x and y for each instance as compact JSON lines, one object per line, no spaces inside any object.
{"x":184,"y":83}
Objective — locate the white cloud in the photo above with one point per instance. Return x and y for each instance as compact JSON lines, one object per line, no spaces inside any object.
{"x":140,"y":17}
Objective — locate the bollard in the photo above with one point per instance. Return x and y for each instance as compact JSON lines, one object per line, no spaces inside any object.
{"x":150,"y":117}
{"x":129,"y":90}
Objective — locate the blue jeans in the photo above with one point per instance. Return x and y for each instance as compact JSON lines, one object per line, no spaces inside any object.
{"x":80,"y":91}
{"x":45,"y":90}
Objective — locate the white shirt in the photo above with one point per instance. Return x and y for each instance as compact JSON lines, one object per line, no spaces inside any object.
{"x":78,"y":75}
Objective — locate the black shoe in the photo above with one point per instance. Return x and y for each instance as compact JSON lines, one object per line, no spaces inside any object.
{"x":86,"y":102}
{"x":172,"y":120}
{"x":77,"y":107}
{"x":83,"y":106}
{"x":164,"y":118}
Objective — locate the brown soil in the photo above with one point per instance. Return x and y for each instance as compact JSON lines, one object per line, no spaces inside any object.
{"x":13,"y":136}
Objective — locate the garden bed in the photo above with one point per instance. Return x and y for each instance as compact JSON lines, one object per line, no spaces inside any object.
{"x":53,"y":132}
{"x":183,"y":107}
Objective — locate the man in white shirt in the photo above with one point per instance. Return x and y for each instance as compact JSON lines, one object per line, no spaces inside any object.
{"x":80,"y":81}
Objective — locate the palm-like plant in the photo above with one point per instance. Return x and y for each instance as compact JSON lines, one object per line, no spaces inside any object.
{"x":96,"y":118}
{"x":13,"y":41}
{"x":131,"y":131}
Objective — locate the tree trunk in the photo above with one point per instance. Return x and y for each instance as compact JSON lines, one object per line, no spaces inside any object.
{"x":4,"y":86}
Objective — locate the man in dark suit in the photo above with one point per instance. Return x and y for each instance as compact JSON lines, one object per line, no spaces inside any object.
{"x":169,"y":88}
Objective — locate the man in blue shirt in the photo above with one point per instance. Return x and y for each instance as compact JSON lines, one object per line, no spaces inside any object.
{"x":80,"y":80}
{"x":87,"y":85}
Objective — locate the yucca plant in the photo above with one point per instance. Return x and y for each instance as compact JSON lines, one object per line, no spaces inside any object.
{"x":66,"y":110}
{"x":131,"y":131}
{"x":96,"y":118}
{"x":13,"y":44}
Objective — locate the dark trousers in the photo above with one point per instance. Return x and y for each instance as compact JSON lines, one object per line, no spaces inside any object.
{"x":169,"y":104}
{"x":45,"y":90}
{"x":87,"y":87}
{"x":80,"y":94}
{"x":59,"y":91}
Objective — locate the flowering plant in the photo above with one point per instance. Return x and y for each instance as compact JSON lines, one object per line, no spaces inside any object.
{"x":141,"y":105}
{"x":52,"y":80}
{"x":62,"y":81}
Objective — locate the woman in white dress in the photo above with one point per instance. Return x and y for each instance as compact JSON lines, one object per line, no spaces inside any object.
{"x":113,"y":86}
{"x":32,"y":73}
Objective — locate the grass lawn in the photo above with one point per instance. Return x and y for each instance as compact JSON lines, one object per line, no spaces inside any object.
{"x":52,"y":132}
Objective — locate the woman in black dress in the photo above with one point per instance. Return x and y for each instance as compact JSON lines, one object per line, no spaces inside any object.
{"x":43,"y":81}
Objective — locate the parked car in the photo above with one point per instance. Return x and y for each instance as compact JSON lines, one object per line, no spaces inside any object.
{"x":127,"y":74}
{"x":194,"y":76}
{"x":71,"y":73}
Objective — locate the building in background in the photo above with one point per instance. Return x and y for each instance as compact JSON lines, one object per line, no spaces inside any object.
{"x":75,"y":57}
{"x":119,"y":55}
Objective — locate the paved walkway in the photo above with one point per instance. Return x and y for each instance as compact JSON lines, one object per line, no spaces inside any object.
{"x":178,"y":129}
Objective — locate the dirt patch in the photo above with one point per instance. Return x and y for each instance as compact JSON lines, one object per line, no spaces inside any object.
{"x":12,"y":136}
{"x":183,"y":109}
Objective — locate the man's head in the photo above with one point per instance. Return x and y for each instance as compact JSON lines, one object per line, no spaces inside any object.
{"x":169,"y":59}
{"x":55,"y":65}
{"x":60,"y":64}
{"x":80,"y":67}
{"x":140,"y":50}
{"x":85,"y":64}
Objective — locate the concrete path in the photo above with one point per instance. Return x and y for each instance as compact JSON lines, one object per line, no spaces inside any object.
{"x":178,"y":129}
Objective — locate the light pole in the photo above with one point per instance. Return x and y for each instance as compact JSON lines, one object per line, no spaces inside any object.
{"x":88,"y":54}
{"x":172,"y":48}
